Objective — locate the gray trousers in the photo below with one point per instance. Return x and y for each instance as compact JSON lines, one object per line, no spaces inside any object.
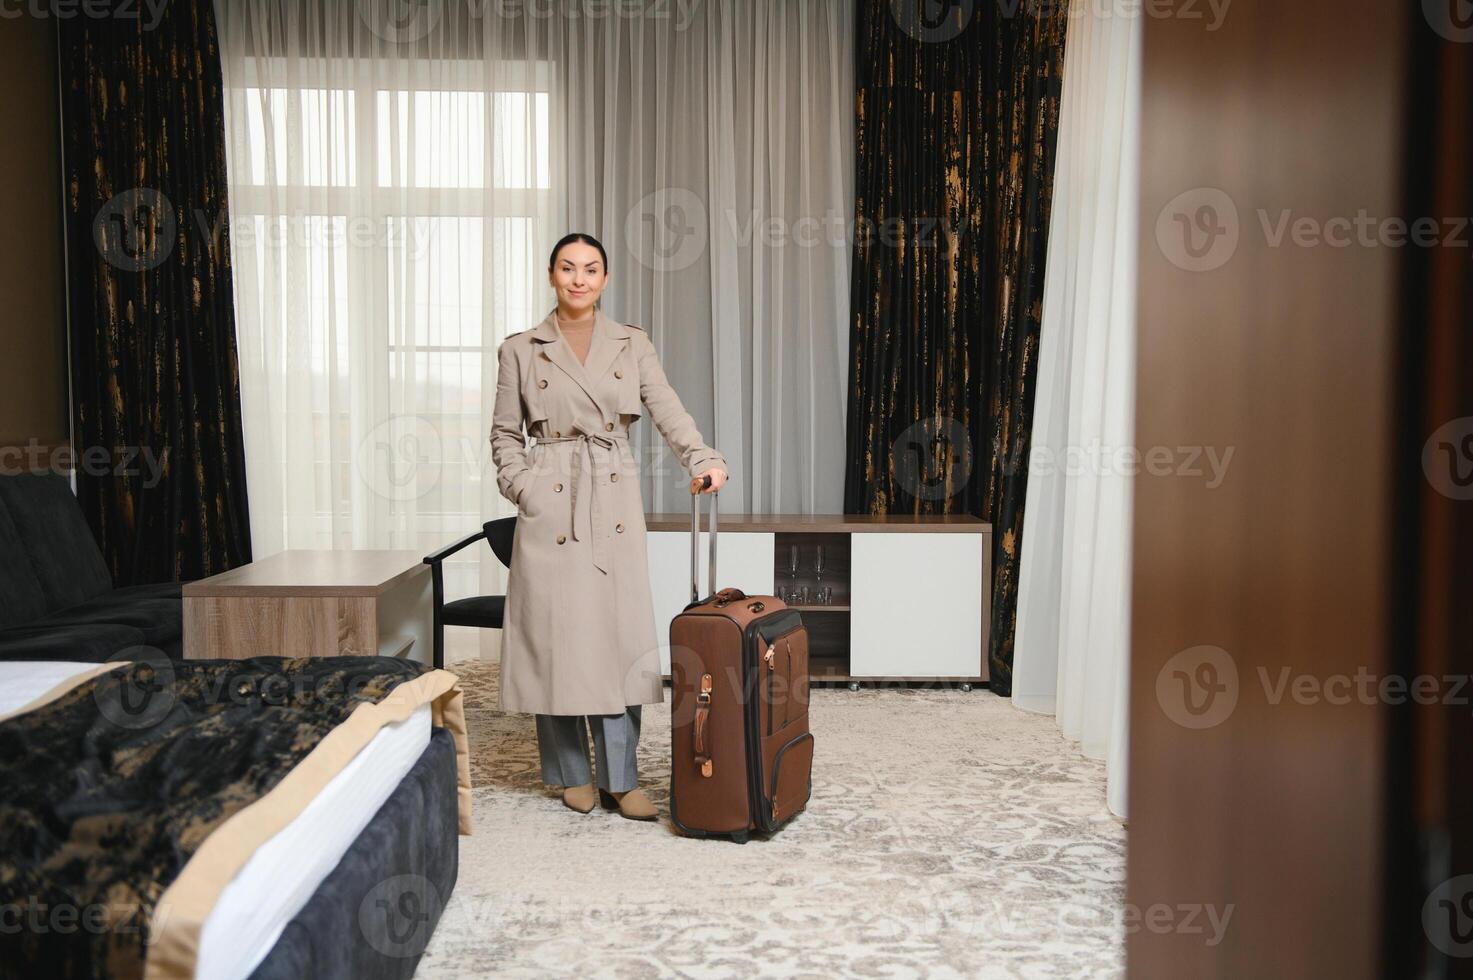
{"x":562,"y":742}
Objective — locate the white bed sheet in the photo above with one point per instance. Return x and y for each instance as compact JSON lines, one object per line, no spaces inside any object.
{"x":281,"y":876}
{"x":23,"y":681}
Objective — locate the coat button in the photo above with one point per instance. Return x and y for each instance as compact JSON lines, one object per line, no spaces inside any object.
{"x":557,"y":488}
{"x":609,"y":426}
{"x":613,"y":478}
{"x":542,"y":383}
{"x":618,"y":374}
{"x":561,"y":538}
{"x":619,"y":527}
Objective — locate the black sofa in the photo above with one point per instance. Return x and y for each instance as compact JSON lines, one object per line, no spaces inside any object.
{"x":57,"y":600}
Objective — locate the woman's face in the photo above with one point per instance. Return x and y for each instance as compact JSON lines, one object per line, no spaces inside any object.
{"x":579,"y":277}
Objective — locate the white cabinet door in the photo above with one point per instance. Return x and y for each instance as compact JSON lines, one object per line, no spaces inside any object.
{"x":743,"y":561}
{"x":916,"y":604}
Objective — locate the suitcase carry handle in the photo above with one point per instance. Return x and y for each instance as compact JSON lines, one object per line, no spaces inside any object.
{"x":703,"y":714}
{"x":695,"y":536}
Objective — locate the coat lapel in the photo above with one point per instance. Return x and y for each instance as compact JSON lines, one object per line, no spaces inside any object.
{"x":609,"y":339}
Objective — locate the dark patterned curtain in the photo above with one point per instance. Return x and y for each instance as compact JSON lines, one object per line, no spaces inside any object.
{"x":957,"y":116}
{"x":156,"y":397}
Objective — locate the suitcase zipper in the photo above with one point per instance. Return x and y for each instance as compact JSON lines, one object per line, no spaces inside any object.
{"x":755,"y":630}
{"x":771,"y":667}
{"x":771,"y":658}
{"x":787,"y":701}
{"x":754,"y":719}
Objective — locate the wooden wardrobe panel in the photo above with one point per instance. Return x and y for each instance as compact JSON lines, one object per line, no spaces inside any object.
{"x":1283,"y":355}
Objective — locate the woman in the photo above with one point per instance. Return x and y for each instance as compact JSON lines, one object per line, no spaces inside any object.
{"x":579,"y":638}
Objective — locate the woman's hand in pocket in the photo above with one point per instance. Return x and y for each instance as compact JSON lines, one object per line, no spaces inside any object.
{"x":526,"y":498}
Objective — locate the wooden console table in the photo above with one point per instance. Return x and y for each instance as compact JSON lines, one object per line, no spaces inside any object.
{"x":313,"y":604}
{"x":912,"y":594}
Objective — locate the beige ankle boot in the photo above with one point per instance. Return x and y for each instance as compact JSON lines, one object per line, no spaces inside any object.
{"x":633,"y":804}
{"x":580,"y":798}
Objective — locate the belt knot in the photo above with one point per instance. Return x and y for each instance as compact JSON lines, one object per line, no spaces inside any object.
{"x":596,"y":518}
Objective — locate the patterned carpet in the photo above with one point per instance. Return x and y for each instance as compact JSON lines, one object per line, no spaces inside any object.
{"x":949,"y":835}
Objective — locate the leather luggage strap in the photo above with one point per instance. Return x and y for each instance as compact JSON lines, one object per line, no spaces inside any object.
{"x":703,"y":715}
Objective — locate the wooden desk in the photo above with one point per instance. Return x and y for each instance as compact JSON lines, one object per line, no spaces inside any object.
{"x":313,"y":604}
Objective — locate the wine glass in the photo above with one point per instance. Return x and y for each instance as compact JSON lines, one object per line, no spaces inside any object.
{"x":818,"y":562}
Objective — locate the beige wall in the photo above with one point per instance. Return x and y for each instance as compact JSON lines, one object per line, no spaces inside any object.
{"x":33,"y":385}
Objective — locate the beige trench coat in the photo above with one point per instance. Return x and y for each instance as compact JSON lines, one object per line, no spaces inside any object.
{"x":579,"y":632}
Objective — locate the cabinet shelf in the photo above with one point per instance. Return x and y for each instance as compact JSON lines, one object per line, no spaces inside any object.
{"x":827,"y":670}
{"x":827,"y":623}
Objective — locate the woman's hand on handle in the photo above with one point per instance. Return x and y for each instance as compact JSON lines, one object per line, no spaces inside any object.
{"x":715,"y":476}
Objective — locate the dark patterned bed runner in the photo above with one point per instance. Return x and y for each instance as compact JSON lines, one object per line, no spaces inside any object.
{"x":107,"y":791}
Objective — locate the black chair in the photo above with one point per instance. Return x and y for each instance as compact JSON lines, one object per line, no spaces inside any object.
{"x":483,"y":611}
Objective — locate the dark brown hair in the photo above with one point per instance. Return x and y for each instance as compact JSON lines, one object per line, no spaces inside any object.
{"x":578,"y":236}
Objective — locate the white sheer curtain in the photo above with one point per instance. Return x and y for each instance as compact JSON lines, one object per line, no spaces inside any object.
{"x":1071,"y":651}
{"x":398,"y":175}
{"x":390,"y":189}
{"x":716,"y":159}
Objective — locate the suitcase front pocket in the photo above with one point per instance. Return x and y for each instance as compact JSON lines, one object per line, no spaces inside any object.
{"x":785,"y":680}
{"x":792,"y":770}
{"x":797,"y":648}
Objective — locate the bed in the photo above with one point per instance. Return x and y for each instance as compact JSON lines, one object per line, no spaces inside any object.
{"x":334,"y":860}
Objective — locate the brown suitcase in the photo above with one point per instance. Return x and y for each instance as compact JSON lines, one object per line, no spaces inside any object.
{"x":741,"y":754}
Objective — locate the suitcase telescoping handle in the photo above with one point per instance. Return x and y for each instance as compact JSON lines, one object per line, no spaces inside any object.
{"x":703,"y":696}
{"x":695,"y":536}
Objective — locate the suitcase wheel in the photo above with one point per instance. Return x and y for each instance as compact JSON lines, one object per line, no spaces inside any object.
{"x":740,"y":837}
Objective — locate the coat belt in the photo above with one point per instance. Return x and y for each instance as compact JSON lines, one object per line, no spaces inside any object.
{"x":600,"y":502}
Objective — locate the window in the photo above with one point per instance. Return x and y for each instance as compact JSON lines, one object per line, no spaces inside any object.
{"x":385,"y":245}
